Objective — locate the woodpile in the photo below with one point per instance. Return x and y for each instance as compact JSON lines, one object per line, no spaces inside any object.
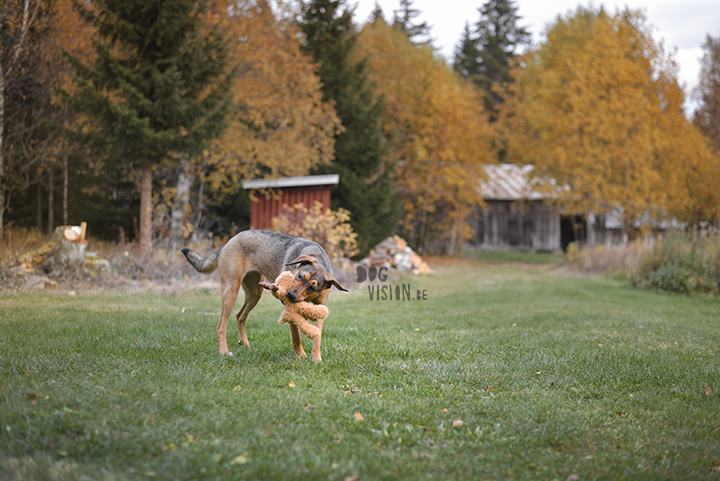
{"x":394,"y":253}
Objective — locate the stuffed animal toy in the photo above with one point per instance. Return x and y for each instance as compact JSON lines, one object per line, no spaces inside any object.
{"x":296,"y":313}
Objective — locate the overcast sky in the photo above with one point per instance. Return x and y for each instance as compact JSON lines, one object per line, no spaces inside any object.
{"x":681,"y":25}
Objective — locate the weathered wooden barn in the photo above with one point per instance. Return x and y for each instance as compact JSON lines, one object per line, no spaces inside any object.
{"x":516,"y":215}
{"x":269,"y":195}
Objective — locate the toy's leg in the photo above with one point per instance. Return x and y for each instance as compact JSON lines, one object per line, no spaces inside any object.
{"x":321,"y":299}
{"x":253,"y":293}
{"x":316,"y":342}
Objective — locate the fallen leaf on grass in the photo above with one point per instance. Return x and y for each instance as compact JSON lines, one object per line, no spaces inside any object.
{"x":154,"y":395}
{"x":291,"y":384}
{"x":457,"y":423}
{"x":708,"y":391}
{"x":239,"y":460}
{"x":32,"y":395}
{"x":359,"y":417}
{"x":237,"y":389}
{"x":445,"y":410}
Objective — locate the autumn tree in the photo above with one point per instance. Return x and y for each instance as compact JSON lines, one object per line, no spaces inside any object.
{"x":280,"y":125}
{"x":707,"y":115}
{"x":17,"y":19}
{"x":157,"y":88}
{"x":437,"y":132}
{"x":365,"y":187}
{"x":484,"y":54}
{"x":597,"y":108}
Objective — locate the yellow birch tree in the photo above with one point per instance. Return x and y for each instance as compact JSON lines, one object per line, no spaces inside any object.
{"x":598,"y":108}
{"x":437,"y":133}
{"x":281,"y":126}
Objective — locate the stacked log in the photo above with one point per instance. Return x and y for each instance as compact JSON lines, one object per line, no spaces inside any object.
{"x":395,"y":253}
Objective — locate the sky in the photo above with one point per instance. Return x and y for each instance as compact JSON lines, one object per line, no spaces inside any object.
{"x":682,"y":26}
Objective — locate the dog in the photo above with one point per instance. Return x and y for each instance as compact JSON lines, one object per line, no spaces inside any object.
{"x":254,"y":255}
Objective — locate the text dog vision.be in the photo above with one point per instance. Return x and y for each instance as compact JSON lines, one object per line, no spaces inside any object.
{"x":387,"y":292}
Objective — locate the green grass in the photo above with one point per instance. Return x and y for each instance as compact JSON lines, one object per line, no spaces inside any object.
{"x":552,"y":376}
{"x":499,"y":257}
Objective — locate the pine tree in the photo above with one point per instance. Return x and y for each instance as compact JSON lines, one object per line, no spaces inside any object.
{"x":467,"y":55}
{"x":497,"y":38}
{"x":403,"y":18}
{"x":365,"y":187}
{"x":377,"y":14}
{"x":157,"y":89}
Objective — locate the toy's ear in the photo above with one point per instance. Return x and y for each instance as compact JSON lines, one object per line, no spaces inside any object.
{"x":302,"y":260}
{"x":285,"y":278}
{"x":329,"y":282}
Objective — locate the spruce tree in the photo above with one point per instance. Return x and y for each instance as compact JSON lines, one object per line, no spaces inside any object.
{"x":403,"y":18}
{"x":158,"y":88}
{"x":365,"y":187}
{"x":467,"y":55}
{"x":497,"y":39}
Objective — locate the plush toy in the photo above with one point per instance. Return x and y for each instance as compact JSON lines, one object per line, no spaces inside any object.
{"x":296,"y":313}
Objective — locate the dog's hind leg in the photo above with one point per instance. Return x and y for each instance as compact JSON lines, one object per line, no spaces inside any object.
{"x":253,"y":293}
{"x":229,"y":290}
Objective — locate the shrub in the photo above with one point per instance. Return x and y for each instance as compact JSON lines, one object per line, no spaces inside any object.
{"x":330,"y":229}
{"x":677,"y":261}
{"x":680,"y":261}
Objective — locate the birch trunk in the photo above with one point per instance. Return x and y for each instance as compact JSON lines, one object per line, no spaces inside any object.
{"x":182,"y":199}
{"x":65,"y":189}
{"x":146,"y":212}
{"x":51,"y":200}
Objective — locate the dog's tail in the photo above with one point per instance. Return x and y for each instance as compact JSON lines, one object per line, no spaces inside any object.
{"x":205,"y":265}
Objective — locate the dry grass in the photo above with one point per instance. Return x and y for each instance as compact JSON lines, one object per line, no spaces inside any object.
{"x":679,"y":261}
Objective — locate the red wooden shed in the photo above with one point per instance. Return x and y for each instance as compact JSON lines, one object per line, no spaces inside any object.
{"x":271,"y":194}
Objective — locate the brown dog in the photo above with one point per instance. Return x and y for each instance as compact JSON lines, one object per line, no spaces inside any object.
{"x":253,"y":255}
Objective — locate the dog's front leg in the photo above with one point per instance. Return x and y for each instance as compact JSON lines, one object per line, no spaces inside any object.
{"x":297,"y":341}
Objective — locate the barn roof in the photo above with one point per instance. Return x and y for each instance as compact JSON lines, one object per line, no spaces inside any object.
{"x":303,"y":181}
{"x":511,"y":182}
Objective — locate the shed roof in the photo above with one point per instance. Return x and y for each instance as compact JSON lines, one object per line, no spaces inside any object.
{"x":510,"y":182}
{"x":302,"y":181}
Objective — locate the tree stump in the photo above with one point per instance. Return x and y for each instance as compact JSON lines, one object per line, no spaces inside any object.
{"x":64,"y":253}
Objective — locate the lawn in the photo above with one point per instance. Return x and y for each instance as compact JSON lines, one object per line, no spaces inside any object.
{"x":506,"y":371}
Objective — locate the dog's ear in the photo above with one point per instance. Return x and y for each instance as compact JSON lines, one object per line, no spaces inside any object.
{"x":302,"y":260}
{"x":329,"y":282}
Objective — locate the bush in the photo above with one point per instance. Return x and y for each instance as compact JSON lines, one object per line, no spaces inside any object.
{"x":330,"y":229}
{"x":677,"y":261}
{"x":681,"y":261}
